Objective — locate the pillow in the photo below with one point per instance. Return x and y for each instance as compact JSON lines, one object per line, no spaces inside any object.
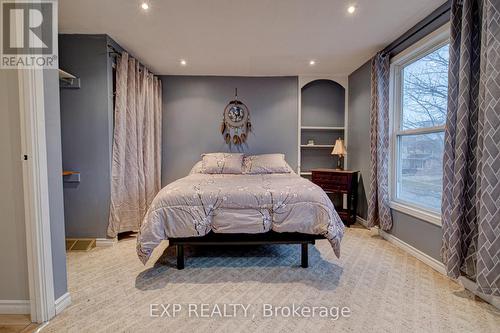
{"x":222,"y":163}
{"x":197,"y":168}
{"x":266,"y":163}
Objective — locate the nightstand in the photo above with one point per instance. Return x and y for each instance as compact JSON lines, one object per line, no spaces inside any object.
{"x":343,"y":186}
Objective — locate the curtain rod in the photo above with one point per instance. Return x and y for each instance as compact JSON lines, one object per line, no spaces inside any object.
{"x":119,"y":54}
{"x":434,"y":16}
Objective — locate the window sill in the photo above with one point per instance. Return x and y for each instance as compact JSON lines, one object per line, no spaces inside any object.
{"x":418,"y":213}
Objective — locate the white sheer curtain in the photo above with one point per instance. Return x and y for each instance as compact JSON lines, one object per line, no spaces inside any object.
{"x":136,"y":165}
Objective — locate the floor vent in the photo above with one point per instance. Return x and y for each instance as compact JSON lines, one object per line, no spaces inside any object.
{"x":80,"y":244}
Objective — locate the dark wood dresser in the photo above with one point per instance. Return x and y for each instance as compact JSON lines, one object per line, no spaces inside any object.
{"x":342,"y":185}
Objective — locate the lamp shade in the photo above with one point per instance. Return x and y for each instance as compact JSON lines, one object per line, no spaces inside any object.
{"x":339,"y":148}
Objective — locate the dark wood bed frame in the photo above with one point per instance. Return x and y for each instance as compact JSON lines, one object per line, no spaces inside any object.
{"x":270,"y":237}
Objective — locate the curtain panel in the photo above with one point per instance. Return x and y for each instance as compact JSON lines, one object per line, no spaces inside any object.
{"x":136,"y":164}
{"x":379,"y":212}
{"x":471,"y":174}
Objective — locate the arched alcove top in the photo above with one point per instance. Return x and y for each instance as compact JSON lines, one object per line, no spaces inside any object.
{"x":339,"y":79}
{"x":326,"y":82}
{"x":323,"y":103}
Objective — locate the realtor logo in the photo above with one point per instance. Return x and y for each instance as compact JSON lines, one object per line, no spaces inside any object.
{"x":29,"y":34}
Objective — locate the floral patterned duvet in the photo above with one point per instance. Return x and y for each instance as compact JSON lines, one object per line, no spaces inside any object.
{"x":225,"y":203}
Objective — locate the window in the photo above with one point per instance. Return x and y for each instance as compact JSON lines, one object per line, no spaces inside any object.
{"x":419,"y":106}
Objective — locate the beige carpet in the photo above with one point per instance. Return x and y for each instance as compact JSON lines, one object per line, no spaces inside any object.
{"x":385,"y":289}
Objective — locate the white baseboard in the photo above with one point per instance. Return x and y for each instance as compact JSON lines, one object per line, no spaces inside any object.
{"x":62,"y":303}
{"x":439,"y":267}
{"x":472,"y":287}
{"x":362,"y":221}
{"x":105,"y":242}
{"x":14,"y":307}
{"x":425,"y":258}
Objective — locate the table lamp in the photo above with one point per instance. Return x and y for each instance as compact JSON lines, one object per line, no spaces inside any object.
{"x":340,"y":151}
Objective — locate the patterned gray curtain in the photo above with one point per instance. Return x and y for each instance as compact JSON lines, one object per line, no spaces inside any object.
{"x":471,"y":179}
{"x":379,"y":212}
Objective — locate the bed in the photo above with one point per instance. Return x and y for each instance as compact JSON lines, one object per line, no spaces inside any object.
{"x":239,"y":209}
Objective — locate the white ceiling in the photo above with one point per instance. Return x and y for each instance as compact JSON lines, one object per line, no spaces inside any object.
{"x":247,"y":37}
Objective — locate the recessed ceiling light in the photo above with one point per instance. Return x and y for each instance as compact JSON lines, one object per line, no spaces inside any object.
{"x":312,"y":63}
{"x":351,"y":9}
{"x":183,"y":62}
{"x":145,"y":6}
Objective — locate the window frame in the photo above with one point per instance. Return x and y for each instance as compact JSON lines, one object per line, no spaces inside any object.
{"x":428,"y":44}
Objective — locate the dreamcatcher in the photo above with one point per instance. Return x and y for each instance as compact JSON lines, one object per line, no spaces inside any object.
{"x":236,"y":124}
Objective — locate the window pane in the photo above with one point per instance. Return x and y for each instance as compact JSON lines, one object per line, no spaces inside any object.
{"x":420,"y":165}
{"x":425,"y":91}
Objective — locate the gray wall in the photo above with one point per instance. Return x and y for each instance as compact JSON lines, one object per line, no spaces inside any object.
{"x":192,"y":113}
{"x":86,"y":119}
{"x":54,"y":169}
{"x":359,"y":132}
{"x":420,"y":234}
{"x":13,"y":259}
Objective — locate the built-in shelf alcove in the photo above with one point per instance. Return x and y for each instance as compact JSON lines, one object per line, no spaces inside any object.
{"x":322,"y":121}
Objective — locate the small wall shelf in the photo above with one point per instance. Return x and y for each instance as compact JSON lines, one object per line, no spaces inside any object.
{"x":316,"y":146}
{"x":71,"y":176}
{"x":68,"y":81}
{"x":65,"y":75}
{"x":322,"y":128}
{"x":69,"y":173}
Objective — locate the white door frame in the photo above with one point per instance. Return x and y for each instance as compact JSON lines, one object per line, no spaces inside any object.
{"x":36,"y":192}
{"x":36,"y":195}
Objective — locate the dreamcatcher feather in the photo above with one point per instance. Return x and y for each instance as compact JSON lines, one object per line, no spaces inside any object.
{"x":236,"y":123}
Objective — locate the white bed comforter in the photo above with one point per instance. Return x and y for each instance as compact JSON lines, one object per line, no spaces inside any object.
{"x":223,"y":203}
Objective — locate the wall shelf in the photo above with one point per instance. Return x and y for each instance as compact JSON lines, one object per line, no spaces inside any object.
{"x":71,"y":176}
{"x":322,"y":128}
{"x":68,"y":81}
{"x":69,"y":173}
{"x":316,"y":146}
{"x":65,"y":75}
